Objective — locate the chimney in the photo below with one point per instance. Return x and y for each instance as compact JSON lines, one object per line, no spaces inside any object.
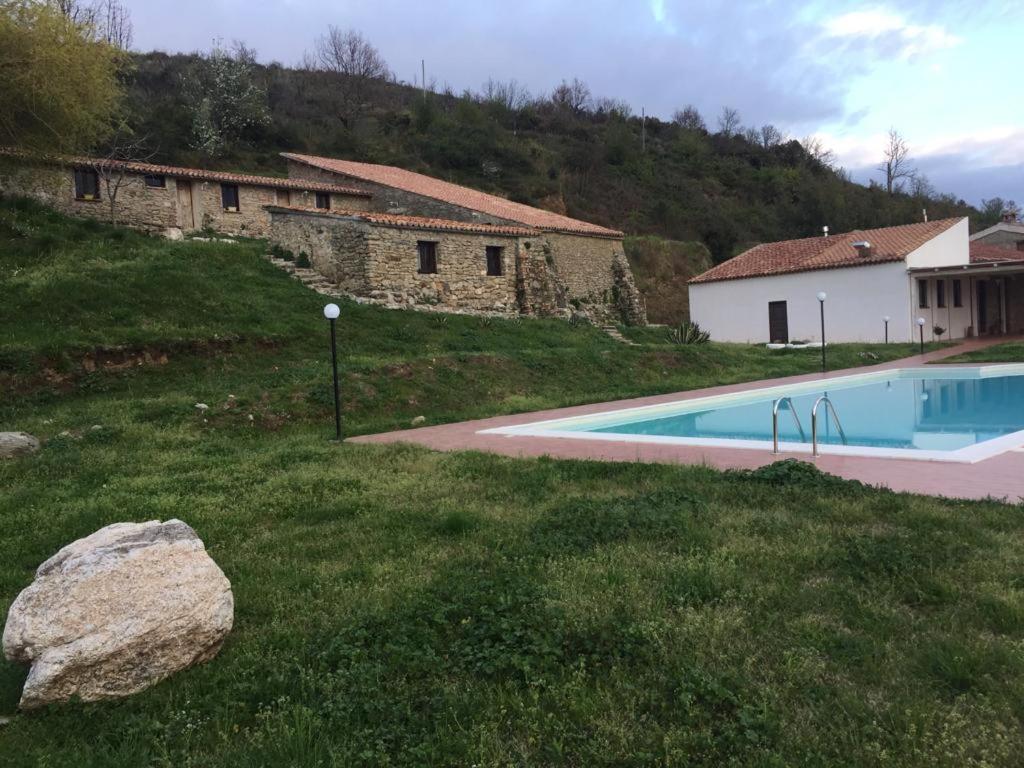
{"x":863,"y":248}
{"x":924,"y":212}
{"x":1010,"y":217}
{"x":825,"y":230}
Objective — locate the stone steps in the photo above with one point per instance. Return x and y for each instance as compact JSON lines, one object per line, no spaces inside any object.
{"x":614,"y":332}
{"x":307,"y":276}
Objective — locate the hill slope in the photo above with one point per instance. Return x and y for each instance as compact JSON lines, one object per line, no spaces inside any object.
{"x":689,"y":185}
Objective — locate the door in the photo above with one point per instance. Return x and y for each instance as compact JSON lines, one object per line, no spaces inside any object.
{"x":186,"y":213}
{"x":982,"y":308}
{"x":778,"y":322}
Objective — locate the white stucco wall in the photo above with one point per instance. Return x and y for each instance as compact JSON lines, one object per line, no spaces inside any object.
{"x":949,"y":248}
{"x":858,"y":299}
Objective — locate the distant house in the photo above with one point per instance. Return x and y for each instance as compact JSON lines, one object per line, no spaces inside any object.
{"x":930,"y":270}
{"x":1008,"y":234}
{"x":380,"y":233}
{"x":161,"y":197}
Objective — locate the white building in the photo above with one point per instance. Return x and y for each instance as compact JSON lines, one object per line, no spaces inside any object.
{"x":930,"y":270}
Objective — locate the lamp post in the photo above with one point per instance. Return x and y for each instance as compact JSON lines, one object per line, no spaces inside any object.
{"x":886,"y":321}
{"x":821,"y":303}
{"x":920,"y":328}
{"x":331,"y":312}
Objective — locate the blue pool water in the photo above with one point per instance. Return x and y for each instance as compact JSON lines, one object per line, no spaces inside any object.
{"x":913,"y":410}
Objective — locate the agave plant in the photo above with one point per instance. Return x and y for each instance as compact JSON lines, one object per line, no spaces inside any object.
{"x":689,"y":333}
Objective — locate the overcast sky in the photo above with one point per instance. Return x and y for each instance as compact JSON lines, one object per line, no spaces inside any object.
{"x":946,"y":74}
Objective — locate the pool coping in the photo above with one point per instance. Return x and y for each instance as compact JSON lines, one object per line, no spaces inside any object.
{"x":1000,"y":477}
{"x":576,"y":427}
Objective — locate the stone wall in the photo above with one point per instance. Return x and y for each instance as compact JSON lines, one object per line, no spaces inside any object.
{"x":584,"y":264}
{"x":336,"y":248}
{"x":1003,"y":238}
{"x":135,"y":204}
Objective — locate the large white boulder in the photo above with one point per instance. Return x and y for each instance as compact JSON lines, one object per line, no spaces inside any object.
{"x":15,"y":443}
{"x":113,"y":613}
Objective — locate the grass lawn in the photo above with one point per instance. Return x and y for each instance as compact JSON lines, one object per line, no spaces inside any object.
{"x":1010,"y":352}
{"x":396,"y":606}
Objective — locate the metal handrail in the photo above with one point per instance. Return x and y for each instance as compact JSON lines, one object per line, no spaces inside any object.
{"x":775,"y":422}
{"x":814,"y":422}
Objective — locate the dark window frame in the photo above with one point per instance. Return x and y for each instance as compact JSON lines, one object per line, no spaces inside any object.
{"x":227,"y":191}
{"x":958,"y":293}
{"x":426,"y":255}
{"x":922,"y":293}
{"x":325,"y":198}
{"x":81,"y":193}
{"x":155,"y":180}
{"x":940,"y":294}
{"x":493,"y":254}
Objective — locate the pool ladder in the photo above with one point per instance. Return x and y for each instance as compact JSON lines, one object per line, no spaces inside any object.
{"x":829,"y":406}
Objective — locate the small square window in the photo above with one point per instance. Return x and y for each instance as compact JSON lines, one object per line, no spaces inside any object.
{"x":229,"y":196}
{"x":427,"y":257}
{"x":494,"y":260}
{"x":323,"y":200}
{"x":958,"y":296}
{"x":940,"y":293}
{"x":922,"y":294}
{"x":87,"y":184}
{"x":1020,"y":245}
{"x":155,"y":180}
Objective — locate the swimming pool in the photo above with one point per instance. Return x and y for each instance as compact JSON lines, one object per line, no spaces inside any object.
{"x":943,"y":414}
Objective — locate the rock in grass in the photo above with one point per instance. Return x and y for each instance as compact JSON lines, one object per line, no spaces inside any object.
{"x":17,"y":443}
{"x":113,"y":613}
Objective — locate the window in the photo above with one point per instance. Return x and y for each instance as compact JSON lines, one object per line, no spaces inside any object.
{"x":283,"y":197}
{"x":940,"y":293}
{"x":428,"y":257}
{"x":922,"y":294}
{"x":229,"y":196}
{"x":323,"y":200}
{"x":1020,"y":245}
{"x":87,"y":184}
{"x":958,"y":297}
{"x":493,"y":260}
{"x":157,"y":180}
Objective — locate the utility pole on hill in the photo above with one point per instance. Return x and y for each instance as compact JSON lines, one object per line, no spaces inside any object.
{"x":423,"y":78}
{"x":643,"y":129}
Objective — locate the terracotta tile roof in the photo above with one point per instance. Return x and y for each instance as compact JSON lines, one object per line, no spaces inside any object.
{"x":984,"y":253}
{"x":454,"y":194}
{"x":887,"y":244}
{"x":200,"y":174}
{"x":414,"y":222}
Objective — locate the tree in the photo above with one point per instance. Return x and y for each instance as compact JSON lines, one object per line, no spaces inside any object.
{"x":111,"y":169}
{"x":574,"y":96}
{"x":728,"y":122}
{"x":770,"y":136}
{"x":689,"y":119}
{"x":225,"y":101}
{"x":106,"y":20}
{"x":610,"y":107}
{"x":347,"y":53}
{"x":896,"y":165}
{"x":510,"y":94}
{"x":817,"y":151}
{"x":59,"y":90}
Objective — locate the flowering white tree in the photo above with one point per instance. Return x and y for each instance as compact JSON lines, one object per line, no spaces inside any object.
{"x":225,"y":99}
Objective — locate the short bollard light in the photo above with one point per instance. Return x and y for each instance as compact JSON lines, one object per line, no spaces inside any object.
{"x":821,"y":301}
{"x":331,"y":312}
{"x":886,"y":321}
{"x":920,"y":328}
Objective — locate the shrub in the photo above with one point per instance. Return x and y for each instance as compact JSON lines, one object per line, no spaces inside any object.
{"x":938,"y":330}
{"x":689,"y":333}
{"x":303,"y":260}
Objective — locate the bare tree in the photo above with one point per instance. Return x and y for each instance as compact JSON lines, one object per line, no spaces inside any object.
{"x":347,"y":53}
{"x":728,"y":122}
{"x":108,"y":20}
{"x":112,"y":168}
{"x":509,"y":94}
{"x":896,"y":165}
{"x":770,"y":136}
{"x":688,"y":118}
{"x":574,"y":96}
{"x":921,"y":187}
{"x":818,"y":152}
{"x":613,"y":108}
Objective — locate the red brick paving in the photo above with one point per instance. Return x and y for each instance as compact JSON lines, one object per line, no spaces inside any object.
{"x":1001,"y":477}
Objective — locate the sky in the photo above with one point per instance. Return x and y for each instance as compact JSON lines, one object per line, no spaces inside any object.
{"x":947,"y":75}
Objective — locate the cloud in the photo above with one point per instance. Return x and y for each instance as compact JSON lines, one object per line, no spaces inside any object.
{"x":889,"y":34}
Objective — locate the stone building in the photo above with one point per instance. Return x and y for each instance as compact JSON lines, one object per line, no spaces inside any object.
{"x":1007,"y":234}
{"x":584,"y":264}
{"x":380,"y":233}
{"x":162,"y":197}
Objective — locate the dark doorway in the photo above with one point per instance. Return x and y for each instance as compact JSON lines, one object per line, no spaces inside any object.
{"x":778,"y":322}
{"x":982,"y":308}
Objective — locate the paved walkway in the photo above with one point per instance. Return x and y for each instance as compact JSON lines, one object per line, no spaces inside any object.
{"x":1000,"y":477}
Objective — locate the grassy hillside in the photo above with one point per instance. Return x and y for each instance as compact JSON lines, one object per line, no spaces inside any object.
{"x":396,"y":606}
{"x":691,"y":185}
